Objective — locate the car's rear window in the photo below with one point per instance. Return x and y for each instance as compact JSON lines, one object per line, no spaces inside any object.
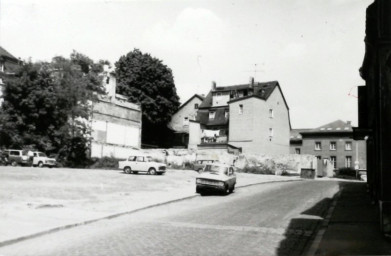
{"x":216,"y":169}
{"x":14,"y":153}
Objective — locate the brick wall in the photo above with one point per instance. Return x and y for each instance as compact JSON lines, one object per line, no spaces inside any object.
{"x":357,"y":152}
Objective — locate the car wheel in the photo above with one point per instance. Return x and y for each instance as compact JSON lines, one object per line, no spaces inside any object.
{"x":152,"y":171}
{"x":200,"y":191}
{"x":127,"y":170}
{"x":232,"y":189}
{"x":226,"y":189}
{"x":199,"y":170}
{"x":40,"y":164}
{"x":13,"y":163}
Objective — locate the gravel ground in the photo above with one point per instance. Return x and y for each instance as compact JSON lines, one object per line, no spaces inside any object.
{"x":37,"y":199}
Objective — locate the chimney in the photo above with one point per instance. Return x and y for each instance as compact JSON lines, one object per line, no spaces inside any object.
{"x":213,"y":85}
{"x":106,"y":68}
{"x":110,"y":84}
{"x":251,"y":83}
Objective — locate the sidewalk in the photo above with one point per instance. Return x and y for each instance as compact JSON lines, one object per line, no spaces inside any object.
{"x":352,"y":227}
{"x":38,"y":201}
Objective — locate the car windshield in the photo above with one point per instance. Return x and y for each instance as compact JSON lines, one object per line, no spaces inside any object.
{"x":216,"y":169}
{"x":148,"y":159}
{"x":42,"y":154}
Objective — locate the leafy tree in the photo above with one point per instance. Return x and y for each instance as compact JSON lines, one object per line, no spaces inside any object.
{"x":46,"y":106}
{"x":147,"y":81}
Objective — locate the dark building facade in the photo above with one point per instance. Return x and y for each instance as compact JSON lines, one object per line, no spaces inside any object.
{"x":375,"y":106}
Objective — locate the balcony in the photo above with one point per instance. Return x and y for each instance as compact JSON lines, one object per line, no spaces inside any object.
{"x":214,"y":137}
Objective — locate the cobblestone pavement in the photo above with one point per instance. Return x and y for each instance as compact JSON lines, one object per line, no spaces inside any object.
{"x":269,"y":219}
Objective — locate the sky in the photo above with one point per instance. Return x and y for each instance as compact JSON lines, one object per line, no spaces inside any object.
{"x":313,"y":48}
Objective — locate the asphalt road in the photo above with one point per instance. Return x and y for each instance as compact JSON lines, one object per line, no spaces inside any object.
{"x":267,"y":219}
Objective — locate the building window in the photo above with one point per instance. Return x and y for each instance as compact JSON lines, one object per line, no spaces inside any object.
{"x":318,"y":145}
{"x":271,"y":134}
{"x":297,"y":151}
{"x":212,"y":115}
{"x":348,"y":145}
{"x":226,"y":114}
{"x":271,"y":114}
{"x":318,"y":157}
{"x":348,"y":161}
{"x":333,"y":145}
{"x":196,"y":106}
{"x":185,"y":121}
{"x":333,"y":160}
{"x":240,"y":109}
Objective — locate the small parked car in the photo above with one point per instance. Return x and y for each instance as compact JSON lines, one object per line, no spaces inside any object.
{"x":17,"y":157}
{"x":40,"y":159}
{"x":216,"y":177}
{"x":200,"y":164}
{"x":141,"y":163}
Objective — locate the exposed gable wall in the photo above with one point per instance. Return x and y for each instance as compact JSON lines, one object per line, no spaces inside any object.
{"x":189,"y":111}
{"x":251,"y":130}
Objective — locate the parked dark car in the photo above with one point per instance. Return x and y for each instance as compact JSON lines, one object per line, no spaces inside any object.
{"x":3,"y":158}
{"x":199,"y":165}
{"x":17,"y":157}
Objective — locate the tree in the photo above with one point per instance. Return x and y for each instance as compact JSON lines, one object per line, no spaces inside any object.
{"x":46,"y":106}
{"x":147,"y":81}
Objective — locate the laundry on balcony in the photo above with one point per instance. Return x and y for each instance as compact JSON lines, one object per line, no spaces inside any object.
{"x":209,"y":136}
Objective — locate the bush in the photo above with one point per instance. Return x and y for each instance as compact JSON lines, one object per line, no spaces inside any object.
{"x":260,"y":169}
{"x":105,"y":163}
{"x":345,"y":173}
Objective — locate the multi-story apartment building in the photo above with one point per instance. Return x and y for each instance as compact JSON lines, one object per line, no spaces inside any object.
{"x":333,"y":141}
{"x":252,"y":117}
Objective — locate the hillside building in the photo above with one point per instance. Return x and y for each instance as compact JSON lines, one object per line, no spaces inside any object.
{"x":8,"y":65}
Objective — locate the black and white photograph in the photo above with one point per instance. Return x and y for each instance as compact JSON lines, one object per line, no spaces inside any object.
{"x":195,"y":127}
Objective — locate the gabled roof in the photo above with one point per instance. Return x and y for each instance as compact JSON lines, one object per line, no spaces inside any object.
{"x":207,"y":102}
{"x":261,"y":90}
{"x":337,"y":126}
{"x":4,"y":53}
{"x":295,"y":134}
{"x":189,"y":100}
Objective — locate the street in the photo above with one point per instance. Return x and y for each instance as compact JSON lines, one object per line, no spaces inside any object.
{"x":266,"y":219}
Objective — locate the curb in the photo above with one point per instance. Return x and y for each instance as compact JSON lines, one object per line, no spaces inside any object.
{"x":323,"y":226}
{"x":69,"y":226}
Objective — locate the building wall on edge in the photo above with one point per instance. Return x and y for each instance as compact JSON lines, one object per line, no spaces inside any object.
{"x":116,"y":129}
{"x":194,"y":135}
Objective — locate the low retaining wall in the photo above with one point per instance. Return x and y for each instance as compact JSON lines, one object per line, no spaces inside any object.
{"x":182,"y":158}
